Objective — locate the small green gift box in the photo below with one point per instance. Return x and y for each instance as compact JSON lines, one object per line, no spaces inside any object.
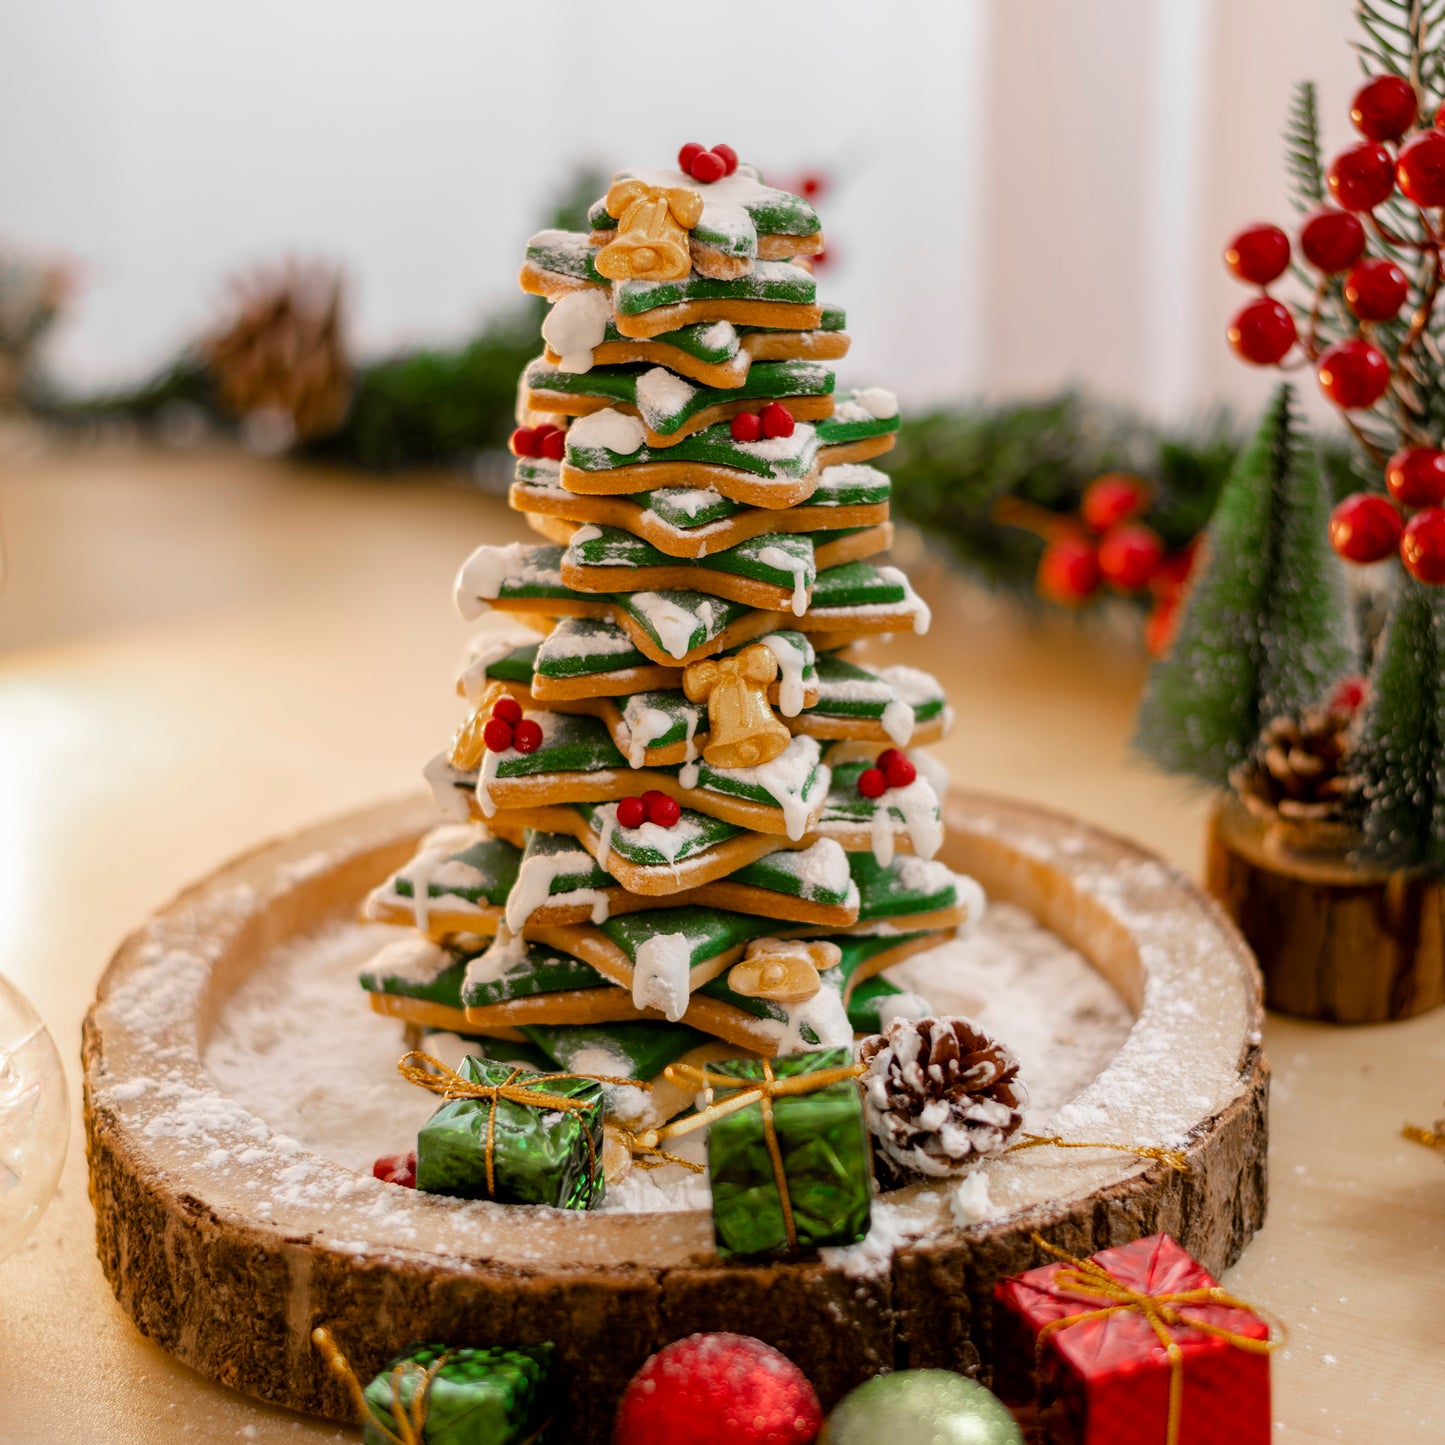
{"x":509,"y":1134}
{"x":468,"y":1396}
{"x":790,"y":1169}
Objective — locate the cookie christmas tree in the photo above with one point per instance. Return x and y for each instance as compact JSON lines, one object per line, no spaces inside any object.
{"x":691,"y":820}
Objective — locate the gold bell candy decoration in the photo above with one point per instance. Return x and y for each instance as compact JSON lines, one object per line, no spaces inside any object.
{"x":742,"y":729}
{"x":652,"y":227}
{"x":784,"y":970}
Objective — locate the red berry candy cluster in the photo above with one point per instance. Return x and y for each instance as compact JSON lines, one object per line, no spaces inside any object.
{"x":1367,"y":528}
{"x":507,"y":728}
{"x":397,"y":1169}
{"x":649,"y":807}
{"x":892,"y":769}
{"x":774,"y":420}
{"x":706,"y":165}
{"x":539,"y":441}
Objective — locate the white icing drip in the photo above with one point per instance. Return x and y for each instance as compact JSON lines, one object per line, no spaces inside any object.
{"x":787,"y":779}
{"x":441,"y":777}
{"x":877,"y":401}
{"x":881,"y":829}
{"x":534,"y":886}
{"x":576,"y":324}
{"x":913,"y":605}
{"x":662,"y":397}
{"x":825,"y":1016}
{"x":488,"y":569}
{"x":898,"y":721}
{"x":917,"y":806}
{"x":673,"y":624}
{"x":661,"y":975}
{"x":645,"y":728}
{"x":613,"y":430}
{"x":691,"y":740}
{"x":607,"y":817}
{"x":786,"y":561}
{"x":499,"y":636}
{"x":507,"y":953}
{"x":434,"y":865}
{"x":792,"y":658}
{"x":409,"y":960}
{"x":687,"y":774}
{"x":485,"y":777}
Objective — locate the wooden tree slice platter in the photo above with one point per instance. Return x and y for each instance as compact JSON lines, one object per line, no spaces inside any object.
{"x":227,"y":1243}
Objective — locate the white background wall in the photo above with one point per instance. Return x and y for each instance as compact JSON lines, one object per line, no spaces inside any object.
{"x":1029,"y":194}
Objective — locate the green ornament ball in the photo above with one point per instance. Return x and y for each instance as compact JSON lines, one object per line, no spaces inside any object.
{"x":922,"y":1407}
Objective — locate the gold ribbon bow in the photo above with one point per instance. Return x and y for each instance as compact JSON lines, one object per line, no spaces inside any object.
{"x":434,"y":1075}
{"x":753,"y":1091}
{"x":1089,"y":1279}
{"x":410,"y":1419}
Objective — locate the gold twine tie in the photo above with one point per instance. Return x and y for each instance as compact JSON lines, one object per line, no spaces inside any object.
{"x":1430,"y":1138}
{"x":1089,"y":1279}
{"x":410,"y":1420}
{"x":1174,"y":1158}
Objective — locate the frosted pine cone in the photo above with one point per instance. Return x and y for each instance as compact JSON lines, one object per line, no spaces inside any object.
{"x":939,"y":1094}
{"x":1300,"y":767}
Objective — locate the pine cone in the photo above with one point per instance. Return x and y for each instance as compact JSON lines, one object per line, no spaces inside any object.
{"x":939,"y":1094}
{"x":283,"y":353}
{"x":1300,"y":767}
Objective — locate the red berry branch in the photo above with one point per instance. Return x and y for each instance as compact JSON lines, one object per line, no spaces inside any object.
{"x":1388,"y":191}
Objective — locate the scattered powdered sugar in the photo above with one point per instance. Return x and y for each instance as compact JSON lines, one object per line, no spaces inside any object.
{"x":662,"y":397}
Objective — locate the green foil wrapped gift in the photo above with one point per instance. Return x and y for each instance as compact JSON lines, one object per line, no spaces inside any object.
{"x":790,"y":1168}
{"x":509,"y":1134}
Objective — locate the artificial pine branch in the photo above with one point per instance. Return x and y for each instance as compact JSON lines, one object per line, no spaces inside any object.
{"x":1303,"y":158}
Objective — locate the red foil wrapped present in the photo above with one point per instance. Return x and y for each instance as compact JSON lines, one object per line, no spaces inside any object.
{"x":1137,"y":1344}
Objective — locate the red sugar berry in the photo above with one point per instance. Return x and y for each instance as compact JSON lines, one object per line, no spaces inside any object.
{"x":1375,"y":290}
{"x":497,"y":734}
{"x":899,"y":771}
{"x":872,"y":783}
{"x":1129,"y":556}
{"x":687,"y":155}
{"x":1258,"y":254}
{"x":544,"y":429}
{"x":777,"y":420}
{"x":1420,"y":169}
{"x":1262,"y":332}
{"x":527,"y":735}
{"x":1415,"y":477}
{"x":1362,"y":176}
{"x":508,"y":709}
{"x":1172,"y":574}
{"x":1068,"y":571}
{"x":708,"y":167}
{"x":1384,"y":108}
{"x":663,"y":811}
{"x":729,"y":158}
{"x":812,"y":186}
{"x":1354,"y":374}
{"x":1113,"y":498}
{"x":1331,"y":240}
{"x":1422,"y":547}
{"x":524,"y":442}
{"x":746,"y":426}
{"x":631,"y":812}
{"x":1349,"y":694}
{"x":651,"y":796}
{"x":720,"y":1389}
{"x":1365,"y":528}
{"x":396,"y":1169}
{"x":554,"y":445}
{"x":886,"y":757}
{"x":1160,"y":626}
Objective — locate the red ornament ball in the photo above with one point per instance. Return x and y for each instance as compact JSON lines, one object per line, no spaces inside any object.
{"x":631,"y":812}
{"x":497,"y":734}
{"x":662,"y":810}
{"x":1422,"y":547}
{"x":1354,"y":374}
{"x":746,"y":426}
{"x":1332,"y":240}
{"x":777,"y":420}
{"x":687,"y":155}
{"x":1375,"y":290}
{"x":1258,"y":254}
{"x":1362,"y":177}
{"x":718,"y":1389}
{"x":396,"y":1169}
{"x":729,"y":158}
{"x":709,"y":167}
{"x":1385,"y":108}
{"x":1365,"y":528}
{"x":508,"y":709}
{"x":1068,"y":570}
{"x":899,"y":771}
{"x":1112,"y":498}
{"x":524,"y":442}
{"x":1262,"y":332}
{"x":1415,"y":477}
{"x":1420,"y":169}
{"x":1129,"y":556}
{"x":872,"y":783}
{"x":527,"y":735}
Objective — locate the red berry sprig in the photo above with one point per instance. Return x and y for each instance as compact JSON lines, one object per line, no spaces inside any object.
{"x":649,"y":807}
{"x":507,"y":728}
{"x":891,"y":769}
{"x":539,"y":441}
{"x":706,"y":165}
{"x":396,"y":1169}
{"x":1367,"y":528}
{"x":774,"y":420}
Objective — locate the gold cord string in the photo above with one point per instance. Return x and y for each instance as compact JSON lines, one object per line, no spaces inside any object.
{"x":1176,"y":1159}
{"x":1088,"y":1279}
{"x":1430,"y":1138}
{"x":410,"y":1420}
{"x":434,"y":1075}
{"x":649,"y":1156}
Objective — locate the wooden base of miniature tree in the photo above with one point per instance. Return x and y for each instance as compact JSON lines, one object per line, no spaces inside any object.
{"x":1335,"y":942}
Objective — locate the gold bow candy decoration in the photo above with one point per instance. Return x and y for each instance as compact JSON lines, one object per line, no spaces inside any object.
{"x":783,"y":970}
{"x":742,"y":730}
{"x":652,"y":227}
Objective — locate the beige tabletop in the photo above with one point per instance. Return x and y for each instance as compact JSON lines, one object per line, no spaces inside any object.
{"x":198,"y":652}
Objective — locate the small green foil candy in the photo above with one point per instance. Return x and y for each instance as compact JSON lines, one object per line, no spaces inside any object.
{"x":539,"y":1156}
{"x":824,"y":1146}
{"x":478,"y":1397}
